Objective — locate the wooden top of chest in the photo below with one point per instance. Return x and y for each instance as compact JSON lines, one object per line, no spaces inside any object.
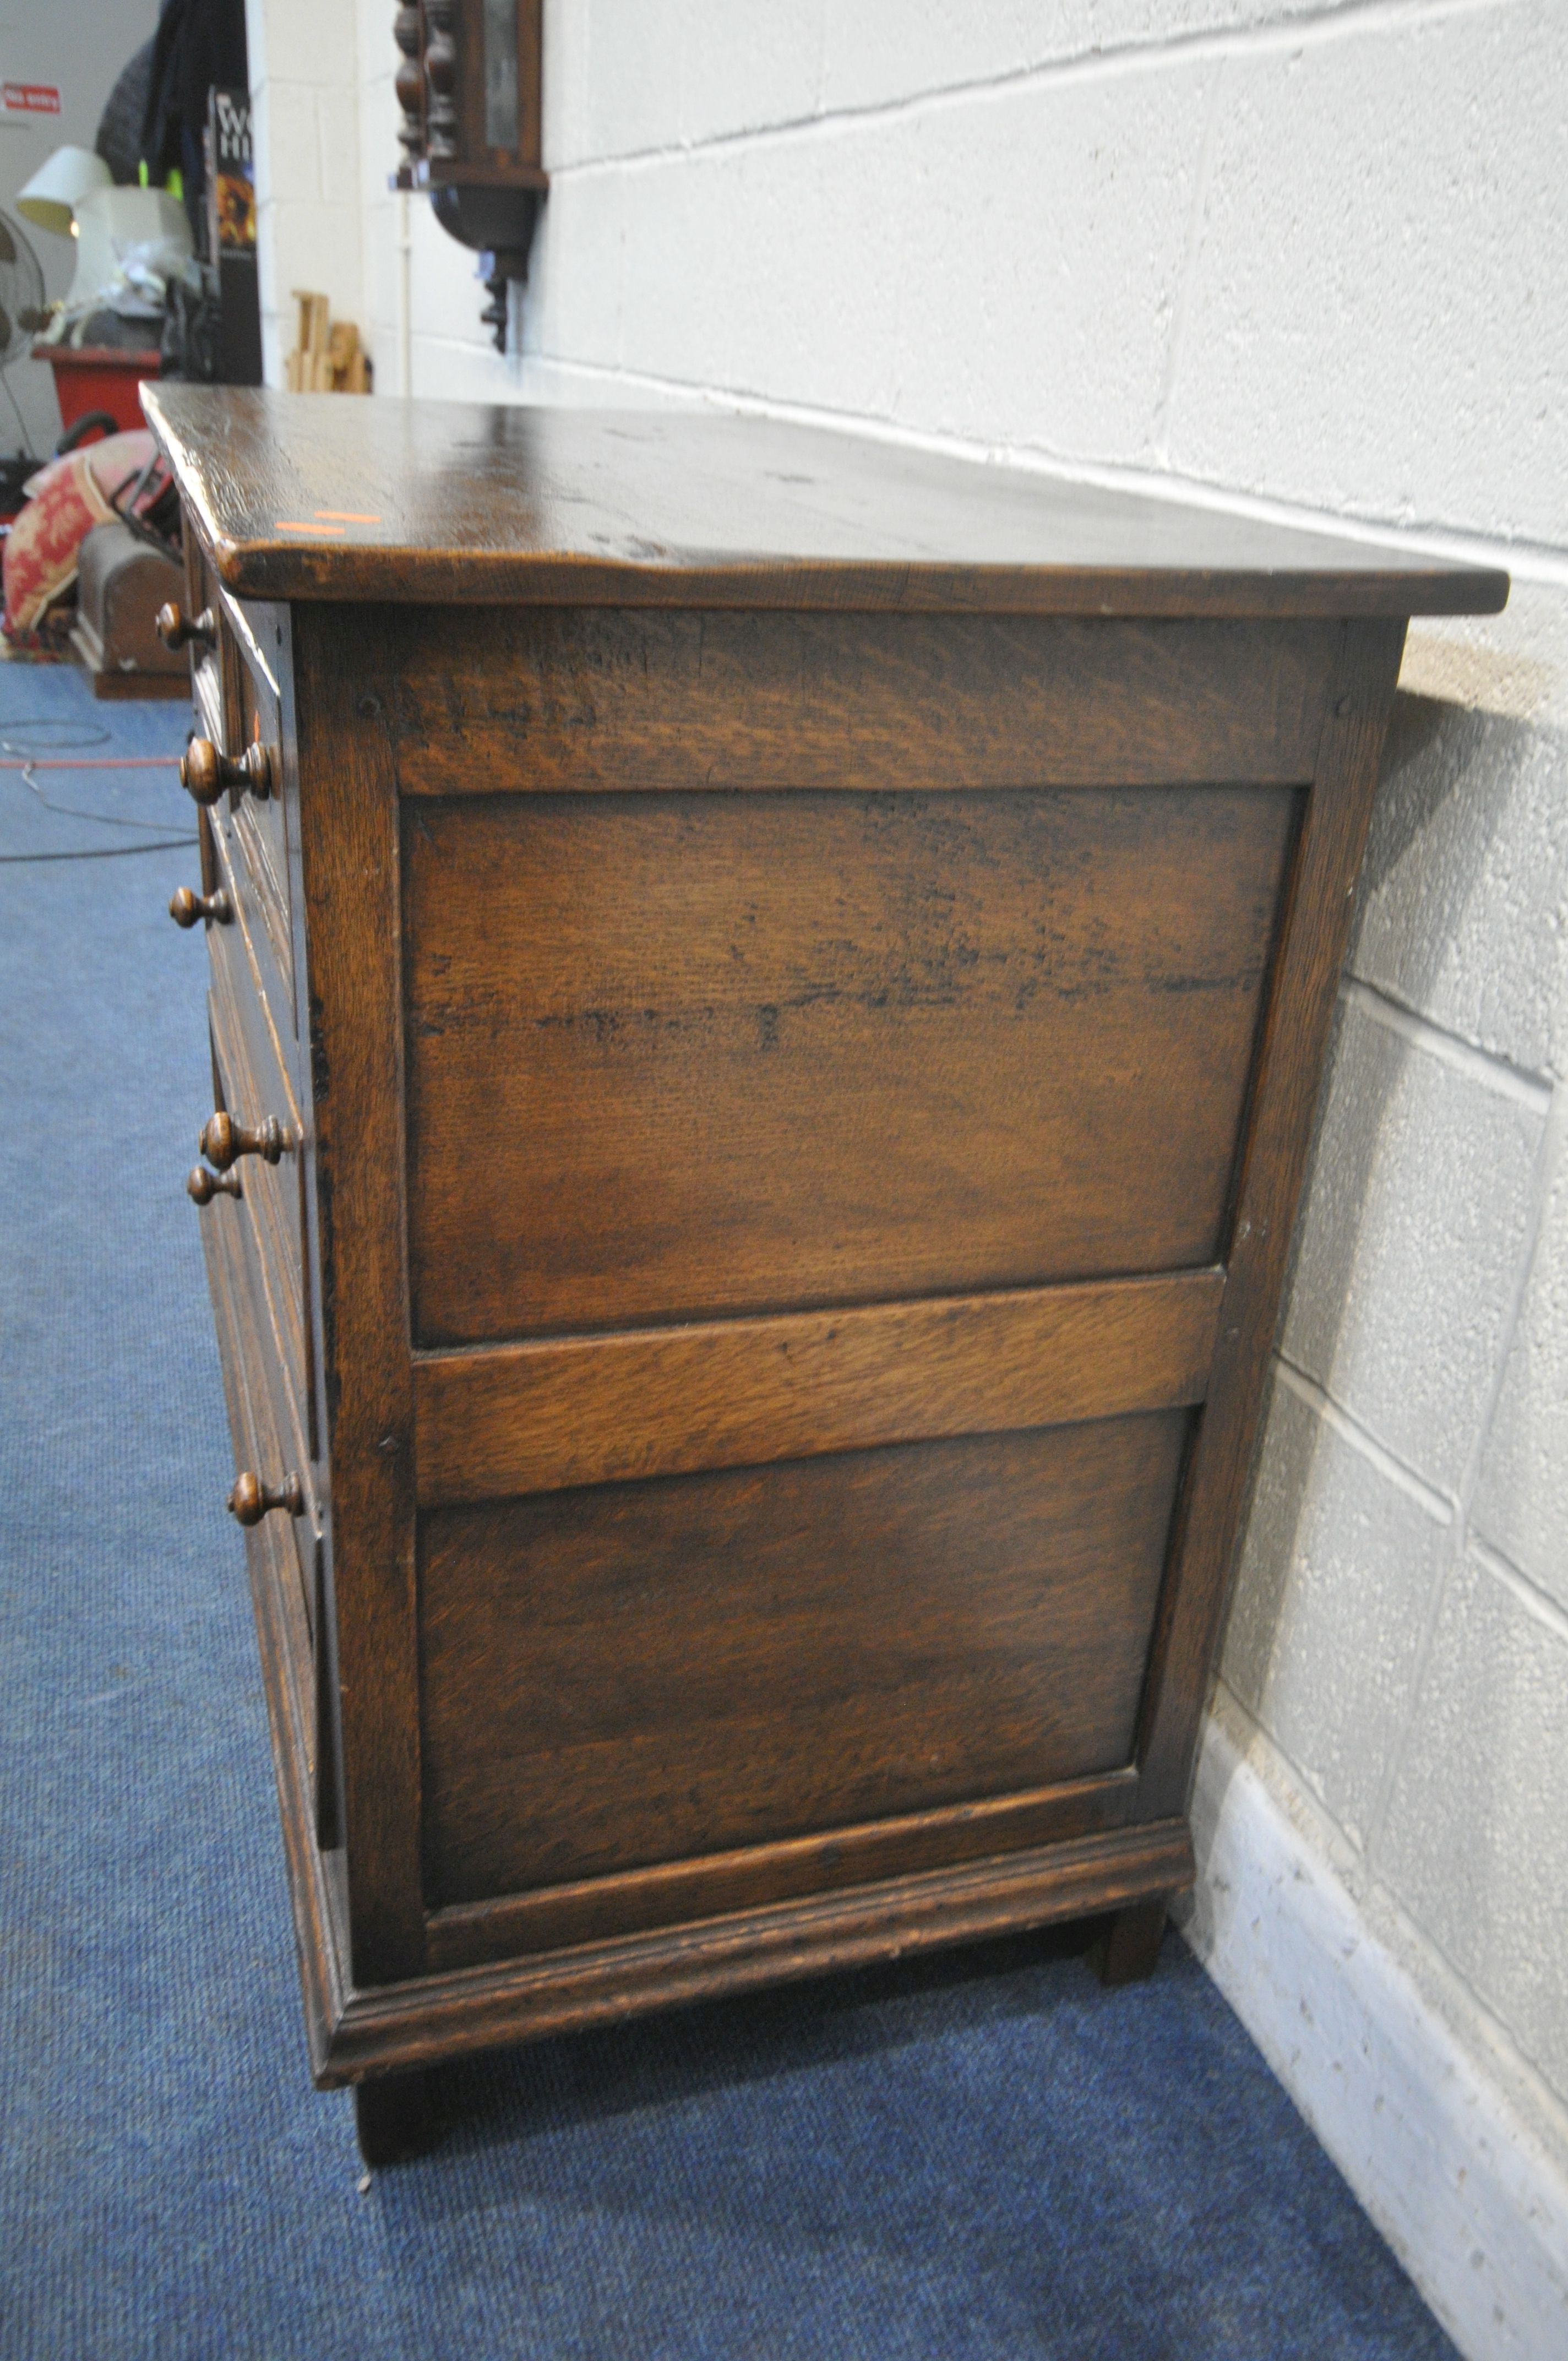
{"x":313,"y":496}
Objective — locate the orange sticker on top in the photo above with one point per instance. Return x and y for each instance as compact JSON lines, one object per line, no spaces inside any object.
{"x":346,"y":516}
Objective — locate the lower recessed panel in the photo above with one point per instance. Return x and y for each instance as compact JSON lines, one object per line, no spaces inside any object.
{"x":627,"y":1674}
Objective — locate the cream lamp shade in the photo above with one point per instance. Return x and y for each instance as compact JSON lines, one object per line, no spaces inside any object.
{"x":57,"y":188}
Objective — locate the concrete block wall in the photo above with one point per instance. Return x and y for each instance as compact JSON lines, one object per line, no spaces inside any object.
{"x":1292,"y":258}
{"x":310,"y":211}
{"x":1400,"y":1628}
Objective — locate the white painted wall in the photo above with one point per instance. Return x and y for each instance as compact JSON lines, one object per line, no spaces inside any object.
{"x":1286,"y":254}
{"x":305,"y":107}
{"x":80,"y":46}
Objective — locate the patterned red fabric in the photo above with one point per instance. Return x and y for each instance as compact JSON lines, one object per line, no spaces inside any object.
{"x":42,"y":546}
{"x":65,"y":500}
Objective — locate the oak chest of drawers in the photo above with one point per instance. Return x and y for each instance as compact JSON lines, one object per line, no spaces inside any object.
{"x":767,"y":996}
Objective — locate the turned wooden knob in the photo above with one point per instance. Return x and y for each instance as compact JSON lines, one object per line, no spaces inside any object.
{"x":177,"y":631}
{"x":205,"y":773}
{"x":186,"y":907}
{"x":223,"y":1140}
{"x":203,"y":1186}
{"x":251,"y":1499}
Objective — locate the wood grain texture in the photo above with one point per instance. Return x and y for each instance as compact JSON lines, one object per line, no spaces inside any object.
{"x":213,"y":678}
{"x":604,"y":1984}
{"x":470,"y":75}
{"x":214,"y":717}
{"x":248,"y":979}
{"x":349,"y":868}
{"x":267,"y":1223}
{"x":668,"y":1401}
{"x":260,"y":864}
{"x":1319,"y":899}
{"x":523,"y":700}
{"x":473,"y":504}
{"x":265,"y":635}
{"x":866,"y":930}
{"x":713,"y":1055}
{"x":260,"y":1437}
{"x":318,"y":1925}
{"x":265,"y":1220}
{"x":328,"y":1763}
{"x":257,"y":827}
{"x":256,"y":896}
{"x":675,"y":1892}
{"x":259,"y":1088}
{"x":207,"y":856}
{"x":467,"y":2007}
{"x":269,"y":635}
{"x":258,"y":629}
{"x":638,"y":1673}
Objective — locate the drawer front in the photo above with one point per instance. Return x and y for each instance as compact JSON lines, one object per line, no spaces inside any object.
{"x":288,"y":1550}
{"x":678,"y":1057}
{"x":242,"y":955}
{"x":256,"y":1242}
{"x":255,"y":829}
{"x":266,"y":1240}
{"x":253,"y":1086}
{"x":213,"y":667}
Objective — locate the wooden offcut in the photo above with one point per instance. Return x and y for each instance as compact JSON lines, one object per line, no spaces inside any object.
{"x":327,"y":355}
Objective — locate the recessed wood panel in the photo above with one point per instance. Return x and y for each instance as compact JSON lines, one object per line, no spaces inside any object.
{"x":635,"y":1672}
{"x":680,"y":1056}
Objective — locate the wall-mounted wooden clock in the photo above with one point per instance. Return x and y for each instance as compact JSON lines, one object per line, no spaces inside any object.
{"x":468,"y":85}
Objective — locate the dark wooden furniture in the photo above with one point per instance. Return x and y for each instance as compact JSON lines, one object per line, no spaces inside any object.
{"x":469,"y":88}
{"x":767,"y":997}
{"x":120,"y":585}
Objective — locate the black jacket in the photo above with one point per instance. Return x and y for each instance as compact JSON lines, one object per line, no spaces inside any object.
{"x":199,"y":46}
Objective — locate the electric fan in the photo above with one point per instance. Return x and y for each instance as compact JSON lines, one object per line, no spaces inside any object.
{"x":22,"y":312}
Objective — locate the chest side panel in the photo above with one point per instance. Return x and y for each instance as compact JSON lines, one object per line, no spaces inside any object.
{"x":844,"y":1154}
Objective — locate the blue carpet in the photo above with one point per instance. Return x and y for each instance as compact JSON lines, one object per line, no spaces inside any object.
{"x":977,"y":2156}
